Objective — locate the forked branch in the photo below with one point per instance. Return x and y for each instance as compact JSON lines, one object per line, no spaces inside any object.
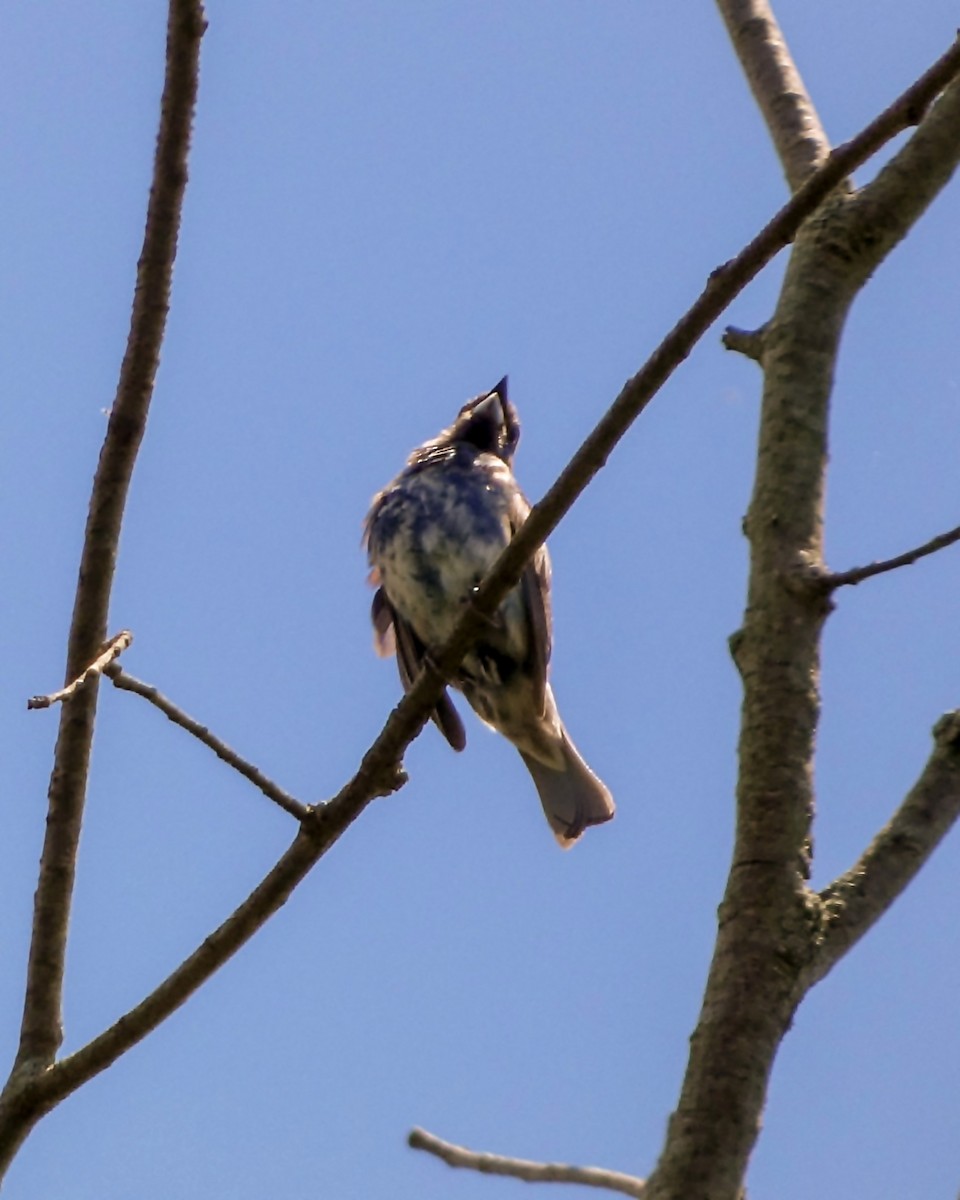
{"x":113,"y":649}
{"x":41,"y":1031}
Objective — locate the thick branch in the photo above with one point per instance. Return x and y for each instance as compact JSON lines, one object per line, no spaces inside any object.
{"x":779,"y":91}
{"x":114,"y":648}
{"x":522,"y":1168}
{"x":769,"y":920}
{"x":41,"y":1032}
{"x":129,"y":683}
{"x":855,"y":575}
{"x":856,"y":900}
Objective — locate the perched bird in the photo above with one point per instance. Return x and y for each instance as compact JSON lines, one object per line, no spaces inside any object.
{"x":432,"y":535}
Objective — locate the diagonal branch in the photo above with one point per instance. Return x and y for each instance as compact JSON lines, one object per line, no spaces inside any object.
{"x":129,"y":683}
{"x":855,"y":575}
{"x":379,"y":772}
{"x":41,"y":1031}
{"x":779,"y":91}
{"x":36,"y":1094}
{"x":856,"y":900}
{"x":522,"y":1168}
{"x":723,"y":286}
{"x":113,"y":649}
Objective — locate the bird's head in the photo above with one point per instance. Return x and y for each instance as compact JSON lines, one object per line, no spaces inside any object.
{"x":489,"y":422}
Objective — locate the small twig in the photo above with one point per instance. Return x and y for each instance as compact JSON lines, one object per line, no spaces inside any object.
{"x":748,"y":342}
{"x":857,"y":575}
{"x":113,"y":649}
{"x":522,"y":1168}
{"x":128,"y":683}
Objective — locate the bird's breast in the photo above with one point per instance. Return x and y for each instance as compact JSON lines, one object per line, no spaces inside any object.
{"x":433,"y":536}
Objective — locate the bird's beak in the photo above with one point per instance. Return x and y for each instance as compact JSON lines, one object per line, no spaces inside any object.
{"x":490,"y":409}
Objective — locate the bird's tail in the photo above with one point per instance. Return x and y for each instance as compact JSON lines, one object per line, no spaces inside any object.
{"x":572,"y":797}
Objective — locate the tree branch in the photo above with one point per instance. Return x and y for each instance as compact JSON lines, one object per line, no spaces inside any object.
{"x":41,"y":1031}
{"x":114,"y":648}
{"x":36,"y":1094}
{"x":521,"y":1168}
{"x":836,"y":579}
{"x":129,"y":683}
{"x":770,"y":922}
{"x":791,"y":118}
{"x":723,"y":286}
{"x":856,"y":900}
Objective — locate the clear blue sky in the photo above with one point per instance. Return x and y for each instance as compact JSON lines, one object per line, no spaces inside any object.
{"x":391,"y":206}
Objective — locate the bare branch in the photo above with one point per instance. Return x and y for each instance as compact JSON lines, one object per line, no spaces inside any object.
{"x":41,"y":1092}
{"x":41,"y":1031}
{"x":791,"y":118}
{"x":723,"y":286}
{"x":855,"y":575}
{"x":856,"y":900}
{"x":114,"y":648}
{"x":129,"y":683}
{"x":521,"y":1168}
{"x":37,"y":1093}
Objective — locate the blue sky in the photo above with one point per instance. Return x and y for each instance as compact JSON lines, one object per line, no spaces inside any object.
{"x":390,"y":207}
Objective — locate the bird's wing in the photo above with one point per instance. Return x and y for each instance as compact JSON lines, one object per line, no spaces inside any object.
{"x":392,"y":632}
{"x":381,"y":614}
{"x":535,"y":586}
{"x":535,"y":589}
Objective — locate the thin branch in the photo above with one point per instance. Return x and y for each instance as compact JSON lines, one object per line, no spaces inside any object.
{"x":317,"y":834}
{"x":856,"y":900}
{"x":380,"y":772}
{"x":129,"y":683}
{"x":521,"y":1168}
{"x":41,"y":1031}
{"x":855,"y":575}
{"x":723,"y":286}
{"x":266,"y":899}
{"x":114,"y":648}
{"x":791,"y":118}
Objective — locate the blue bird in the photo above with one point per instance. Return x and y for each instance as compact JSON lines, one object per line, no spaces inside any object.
{"x":432,"y":535}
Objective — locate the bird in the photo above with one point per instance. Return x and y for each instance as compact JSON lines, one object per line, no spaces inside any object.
{"x":431,"y":535}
